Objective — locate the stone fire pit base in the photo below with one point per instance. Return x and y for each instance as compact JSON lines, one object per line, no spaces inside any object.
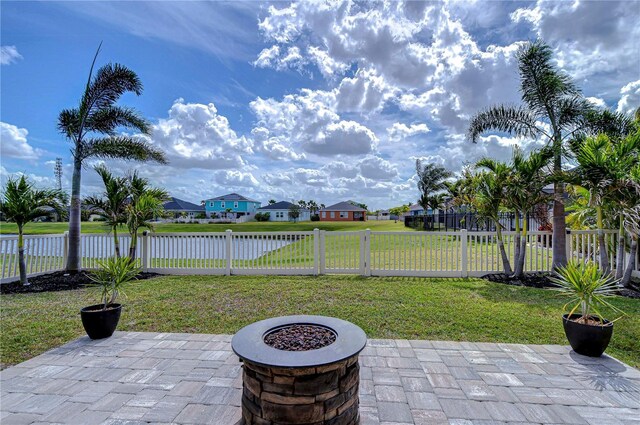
{"x":326,"y":394}
{"x":314,"y":387}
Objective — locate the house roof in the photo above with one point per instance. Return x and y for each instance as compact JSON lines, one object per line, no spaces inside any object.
{"x":282,"y":205}
{"x":415,"y":207}
{"x":343,"y":206}
{"x":176,"y":204}
{"x":232,"y":197}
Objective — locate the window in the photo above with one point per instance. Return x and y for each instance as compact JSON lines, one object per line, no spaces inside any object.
{"x":222,"y":204}
{"x":211,"y":204}
{"x":279,"y":214}
{"x":333,"y":214}
{"x":235,"y":204}
{"x":324,"y":214}
{"x":344,"y":214}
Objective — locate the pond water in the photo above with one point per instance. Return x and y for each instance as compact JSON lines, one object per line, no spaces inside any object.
{"x":172,"y":248}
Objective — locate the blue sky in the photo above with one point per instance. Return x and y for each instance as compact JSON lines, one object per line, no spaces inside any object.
{"x":314,"y":100}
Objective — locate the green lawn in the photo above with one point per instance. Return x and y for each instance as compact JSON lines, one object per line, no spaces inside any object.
{"x":252,"y":226}
{"x":443,"y":309}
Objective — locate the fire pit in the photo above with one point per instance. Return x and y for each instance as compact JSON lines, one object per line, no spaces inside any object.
{"x":300,"y":370}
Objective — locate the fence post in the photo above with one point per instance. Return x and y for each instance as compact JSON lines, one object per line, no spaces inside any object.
{"x":569,"y":245}
{"x":145,"y":251}
{"x":463,"y":254}
{"x":316,"y":251}
{"x":367,"y":252}
{"x":65,"y":249}
{"x":229,"y":250}
{"x":321,"y":255}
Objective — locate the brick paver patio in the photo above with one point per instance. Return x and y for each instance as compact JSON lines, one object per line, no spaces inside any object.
{"x":135,"y":378}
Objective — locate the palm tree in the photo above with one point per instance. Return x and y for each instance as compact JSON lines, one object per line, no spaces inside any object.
{"x":526,"y":185}
{"x":22,"y":203}
{"x":112,"y":204}
{"x":553,"y":109}
{"x":491,"y":194}
{"x":145,"y":203}
{"x":91,"y":128}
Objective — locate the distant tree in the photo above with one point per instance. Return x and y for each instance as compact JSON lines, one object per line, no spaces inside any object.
{"x":302,"y":203}
{"x":111,"y":205}
{"x":431,"y":181}
{"x":294,"y":212}
{"x":399,"y":210}
{"x":272,"y":201}
{"x":360,"y":204}
{"x":22,"y":203}
{"x":322,"y":206}
{"x":92,"y":130}
{"x":313,"y":207}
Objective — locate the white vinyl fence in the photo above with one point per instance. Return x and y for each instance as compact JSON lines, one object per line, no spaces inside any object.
{"x":367,"y":253}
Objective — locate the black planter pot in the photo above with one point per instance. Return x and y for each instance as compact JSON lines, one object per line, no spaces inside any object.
{"x":100,"y":323}
{"x":588,"y":340}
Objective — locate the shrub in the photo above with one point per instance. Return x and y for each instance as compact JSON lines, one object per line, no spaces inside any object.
{"x":315,"y":217}
{"x":263,"y":216}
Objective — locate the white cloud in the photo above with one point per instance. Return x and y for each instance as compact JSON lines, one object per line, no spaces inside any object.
{"x":400,"y":131}
{"x":195,"y":135}
{"x":235,"y":178}
{"x":14,"y":144}
{"x":9,"y":55}
{"x":630,"y":98}
{"x":307,"y":122}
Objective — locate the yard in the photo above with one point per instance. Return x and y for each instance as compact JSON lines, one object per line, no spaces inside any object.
{"x":252,"y":226}
{"x":414,"y":308}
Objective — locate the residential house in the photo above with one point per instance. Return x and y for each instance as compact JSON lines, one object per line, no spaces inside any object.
{"x":231,"y":205}
{"x":178,"y":208}
{"x":280,"y":212}
{"x":417,"y":210}
{"x":343,"y":211}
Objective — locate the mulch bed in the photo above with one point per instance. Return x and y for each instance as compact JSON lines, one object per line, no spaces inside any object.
{"x":56,"y":281}
{"x":300,"y":338}
{"x":541,"y":280}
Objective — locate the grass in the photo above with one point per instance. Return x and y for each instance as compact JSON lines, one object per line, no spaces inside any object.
{"x":252,"y":226}
{"x":438,"y":309}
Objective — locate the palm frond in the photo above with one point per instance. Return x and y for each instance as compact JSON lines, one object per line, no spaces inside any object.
{"x":107,"y":120}
{"x":69,"y":122}
{"x":107,"y":86}
{"x":509,"y":119}
{"x":542,"y":84}
{"x":122,"y":147}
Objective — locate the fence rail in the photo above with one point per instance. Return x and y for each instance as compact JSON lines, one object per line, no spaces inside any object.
{"x":367,"y":253}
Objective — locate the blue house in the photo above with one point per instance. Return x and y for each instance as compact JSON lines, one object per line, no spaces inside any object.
{"x":231,"y":205}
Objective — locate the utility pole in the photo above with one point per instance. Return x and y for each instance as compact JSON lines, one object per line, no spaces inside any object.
{"x":58,"y":172}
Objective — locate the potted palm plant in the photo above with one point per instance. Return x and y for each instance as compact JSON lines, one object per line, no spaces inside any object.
{"x":101,"y":320}
{"x":588,"y":288}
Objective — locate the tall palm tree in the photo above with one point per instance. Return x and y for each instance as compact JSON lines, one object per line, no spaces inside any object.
{"x":553,"y":109}
{"x":112,"y":204}
{"x":22,"y":203}
{"x":491,"y":194}
{"x":528,"y":179}
{"x":145,"y":203}
{"x":91,"y":128}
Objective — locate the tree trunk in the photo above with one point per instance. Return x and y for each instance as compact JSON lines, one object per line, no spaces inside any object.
{"x":604,"y":256}
{"x":559,"y":237}
{"x":116,"y":241}
{"x":74,"y":259}
{"x":621,"y":250}
{"x":522,"y":249}
{"x":22,"y":265}
{"x":516,"y":241}
{"x":132,"y":246}
{"x":505,"y":259}
{"x":631,"y":264}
